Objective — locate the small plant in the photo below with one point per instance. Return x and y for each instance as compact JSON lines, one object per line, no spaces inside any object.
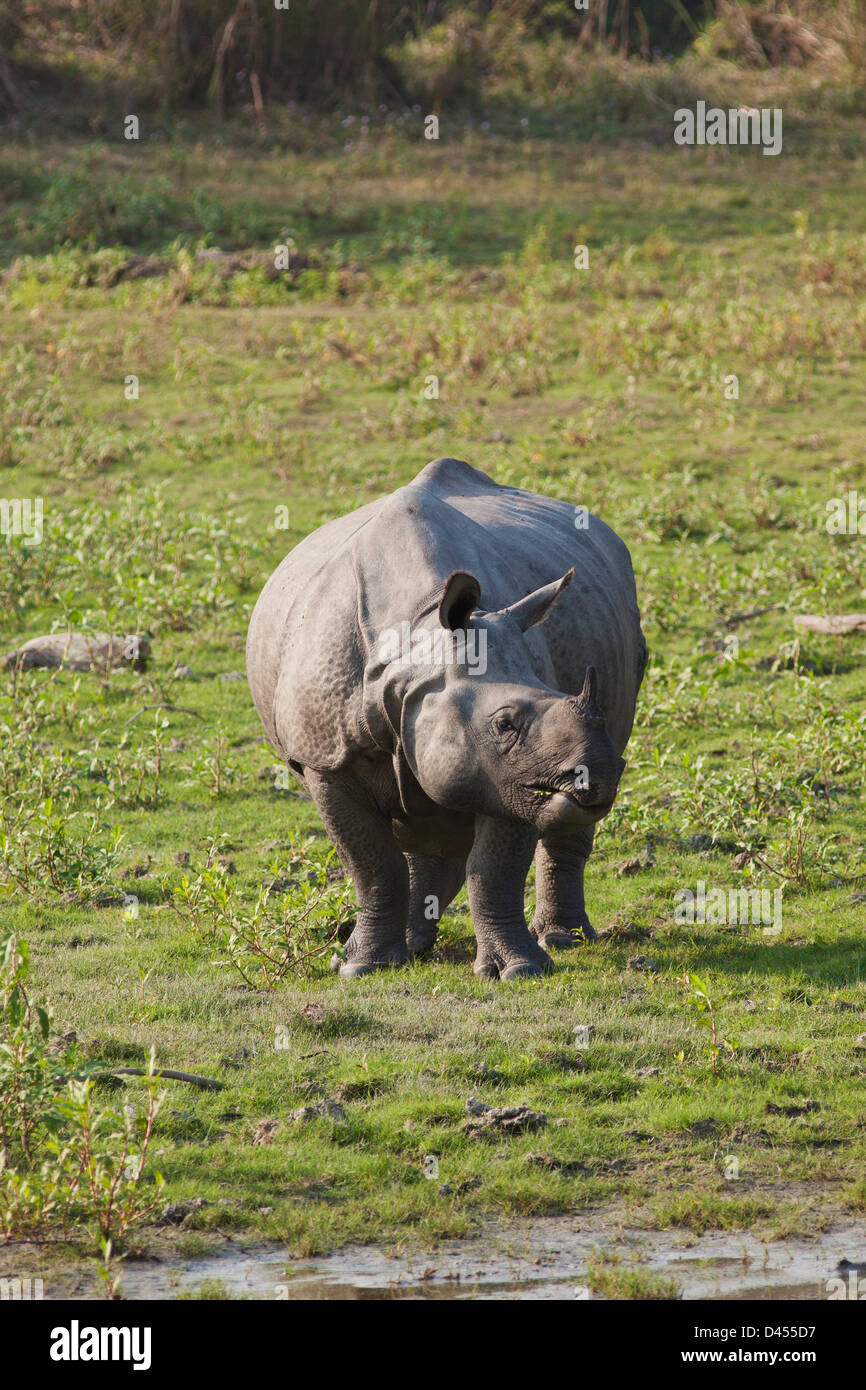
{"x":68,"y":1163}
{"x":291,"y":923}
{"x":706,"y":1012}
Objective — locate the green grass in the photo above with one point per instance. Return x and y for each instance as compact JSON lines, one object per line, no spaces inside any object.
{"x":308,"y":393}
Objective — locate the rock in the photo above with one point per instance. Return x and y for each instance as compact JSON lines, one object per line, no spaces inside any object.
{"x":221,"y":861}
{"x":79,"y":651}
{"x":621,"y":929}
{"x":323,"y":1109}
{"x":741,"y":860}
{"x":642,"y":963}
{"x":313,"y":1014}
{"x":556,"y":1165}
{"x":646,"y":1071}
{"x":138,"y":870}
{"x":633,"y":866}
{"x":264,"y":1132}
{"x":181,"y":672}
{"x":504,"y":1119}
{"x":181,"y":856}
{"x":175,"y":1213}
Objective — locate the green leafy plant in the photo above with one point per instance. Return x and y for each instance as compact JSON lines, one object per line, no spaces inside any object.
{"x":705,"y":1009}
{"x":69,"y":1163}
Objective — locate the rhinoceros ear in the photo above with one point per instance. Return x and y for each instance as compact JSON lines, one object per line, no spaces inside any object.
{"x":536,"y":606}
{"x":461,"y":594}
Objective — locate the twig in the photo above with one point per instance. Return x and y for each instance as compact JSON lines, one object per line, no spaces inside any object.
{"x":750,"y":613}
{"x":206,"y":1081}
{"x":165,"y":704}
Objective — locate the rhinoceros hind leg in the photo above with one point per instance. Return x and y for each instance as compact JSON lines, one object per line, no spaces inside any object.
{"x":433,"y":884}
{"x":368,"y":853}
{"x":560,"y":914}
{"x":495,"y":878}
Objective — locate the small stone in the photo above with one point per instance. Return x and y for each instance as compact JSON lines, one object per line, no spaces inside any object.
{"x":181,"y":672}
{"x":647,"y":1071}
{"x":475,"y":1106}
{"x":264,"y":1132}
{"x":323,"y":1109}
{"x":175,"y":1213}
{"x":181,"y":856}
{"x":642,"y":963}
{"x":508,"y":1119}
{"x":313,"y":1014}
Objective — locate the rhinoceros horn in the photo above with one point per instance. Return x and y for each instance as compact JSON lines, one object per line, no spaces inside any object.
{"x":587,"y":701}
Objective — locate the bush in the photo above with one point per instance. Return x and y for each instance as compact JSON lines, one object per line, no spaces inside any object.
{"x":67,"y":1162}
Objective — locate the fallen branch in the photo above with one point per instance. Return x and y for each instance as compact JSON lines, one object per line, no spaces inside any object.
{"x":750,"y":613}
{"x":836,"y":626}
{"x":165,"y":1075}
{"x":165,"y":704}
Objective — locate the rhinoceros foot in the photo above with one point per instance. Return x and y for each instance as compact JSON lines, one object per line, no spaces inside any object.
{"x":354,"y":969}
{"x":489,"y":967}
{"x":562,"y":938}
{"x":420,"y":944}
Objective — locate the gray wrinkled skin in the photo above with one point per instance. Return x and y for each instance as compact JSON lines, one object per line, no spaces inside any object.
{"x":427,"y":776}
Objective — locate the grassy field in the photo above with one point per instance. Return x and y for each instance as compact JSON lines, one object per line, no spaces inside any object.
{"x":267,"y":406}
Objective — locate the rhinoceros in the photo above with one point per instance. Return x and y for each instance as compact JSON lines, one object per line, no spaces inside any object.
{"x":451,"y":672}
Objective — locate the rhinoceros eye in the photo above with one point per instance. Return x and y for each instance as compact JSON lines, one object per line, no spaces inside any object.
{"x":504,"y":728}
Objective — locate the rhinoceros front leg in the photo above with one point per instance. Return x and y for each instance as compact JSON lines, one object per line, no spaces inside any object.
{"x":434,"y":882}
{"x":495,"y":878}
{"x":368,"y":853}
{"x":560,"y":913}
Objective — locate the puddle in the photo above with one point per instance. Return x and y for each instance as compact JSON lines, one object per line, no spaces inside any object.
{"x":540,"y":1260}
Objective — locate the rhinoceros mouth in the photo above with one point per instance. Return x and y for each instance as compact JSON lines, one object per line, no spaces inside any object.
{"x":546,"y":793}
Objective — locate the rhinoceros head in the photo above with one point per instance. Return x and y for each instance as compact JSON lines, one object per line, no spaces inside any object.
{"x":498,"y":741}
